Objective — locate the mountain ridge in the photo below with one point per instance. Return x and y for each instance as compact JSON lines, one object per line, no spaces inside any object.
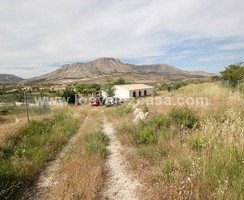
{"x":111,"y":66}
{"x":9,"y":78}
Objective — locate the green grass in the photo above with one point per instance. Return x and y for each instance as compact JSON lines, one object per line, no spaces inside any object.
{"x":96,"y":143}
{"x":120,"y":111}
{"x":25,"y":155}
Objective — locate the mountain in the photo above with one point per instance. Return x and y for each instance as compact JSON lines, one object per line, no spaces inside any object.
{"x":9,"y":78}
{"x":111,"y":66}
{"x":163,"y":69}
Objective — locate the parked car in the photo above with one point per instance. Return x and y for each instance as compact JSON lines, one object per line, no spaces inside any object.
{"x":113,"y":101}
{"x":96,"y":102}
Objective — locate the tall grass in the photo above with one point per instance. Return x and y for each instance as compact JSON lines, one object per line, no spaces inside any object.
{"x":120,"y":111}
{"x":203,"y":160}
{"x":83,"y":169}
{"x":96,"y":143}
{"x":25,"y":155}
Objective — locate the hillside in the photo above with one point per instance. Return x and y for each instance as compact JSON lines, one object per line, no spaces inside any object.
{"x":9,"y":78}
{"x":111,"y":66}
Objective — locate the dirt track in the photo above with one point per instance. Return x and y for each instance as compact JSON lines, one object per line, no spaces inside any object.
{"x":120,"y":184}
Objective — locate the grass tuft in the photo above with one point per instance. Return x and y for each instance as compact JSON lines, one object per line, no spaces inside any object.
{"x":96,"y":143}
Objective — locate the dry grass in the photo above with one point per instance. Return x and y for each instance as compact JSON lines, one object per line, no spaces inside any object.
{"x":12,"y":124}
{"x":25,"y":155}
{"x":82,"y":174}
{"x":199,"y":163}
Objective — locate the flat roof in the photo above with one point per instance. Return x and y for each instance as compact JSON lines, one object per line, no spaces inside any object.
{"x":134,"y":86}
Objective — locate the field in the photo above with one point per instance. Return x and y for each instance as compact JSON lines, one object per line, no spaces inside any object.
{"x":189,"y":151}
{"x":188,"y":145}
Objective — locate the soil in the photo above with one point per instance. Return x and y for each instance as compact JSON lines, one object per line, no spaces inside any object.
{"x":120,"y":183}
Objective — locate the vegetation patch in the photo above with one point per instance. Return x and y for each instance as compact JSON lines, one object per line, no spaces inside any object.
{"x":200,"y":156}
{"x":25,"y":155}
{"x":184,"y":117}
{"x":96,"y":143}
{"x":121,"y":111}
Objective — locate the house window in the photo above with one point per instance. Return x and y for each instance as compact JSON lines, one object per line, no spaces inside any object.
{"x":145,"y":93}
{"x":134,"y":94}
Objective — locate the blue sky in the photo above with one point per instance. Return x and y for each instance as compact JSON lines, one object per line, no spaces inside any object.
{"x":37,"y":37}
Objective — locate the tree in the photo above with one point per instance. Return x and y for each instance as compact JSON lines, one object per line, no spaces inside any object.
{"x":120,"y":81}
{"x":108,"y":88}
{"x":233,"y":73}
{"x":69,"y":95}
{"x":87,"y":89}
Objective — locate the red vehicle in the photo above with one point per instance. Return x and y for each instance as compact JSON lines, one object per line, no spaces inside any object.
{"x":95,"y":102}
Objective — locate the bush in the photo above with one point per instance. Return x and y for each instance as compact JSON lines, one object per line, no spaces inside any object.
{"x":96,"y":143}
{"x":146,"y":136}
{"x":69,"y":95}
{"x":178,"y":85}
{"x":233,"y":73}
{"x":184,"y":117}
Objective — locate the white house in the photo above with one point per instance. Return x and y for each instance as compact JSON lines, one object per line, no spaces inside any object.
{"x":133,"y":90}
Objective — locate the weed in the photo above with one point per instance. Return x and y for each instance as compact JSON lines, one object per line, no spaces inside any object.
{"x":96,"y":143}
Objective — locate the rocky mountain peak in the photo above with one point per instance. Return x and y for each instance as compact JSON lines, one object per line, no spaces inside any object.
{"x":109,"y":59}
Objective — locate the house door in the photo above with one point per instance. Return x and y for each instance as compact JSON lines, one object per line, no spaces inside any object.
{"x":145,"y":93}
{"x":139,"y":93}
{"x":134,"y":94}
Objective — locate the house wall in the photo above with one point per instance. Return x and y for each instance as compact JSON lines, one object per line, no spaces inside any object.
{"x":126,"y":94}
{"x":122,"y":93}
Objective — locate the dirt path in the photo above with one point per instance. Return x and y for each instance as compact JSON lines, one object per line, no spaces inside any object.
{"x":120,"y":184}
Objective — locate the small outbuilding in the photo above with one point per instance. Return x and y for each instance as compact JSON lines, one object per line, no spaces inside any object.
{"x":133,"y":90}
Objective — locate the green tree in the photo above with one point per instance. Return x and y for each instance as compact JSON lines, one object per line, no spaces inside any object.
{"x":120,"y":81}
{"x":87,"y":89}
{"x":108,"y":88}
{"x":233,"y":73}
{"x":69,"y":95}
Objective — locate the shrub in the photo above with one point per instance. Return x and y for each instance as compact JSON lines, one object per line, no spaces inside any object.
{"x":178,"y":85}
{"x":96,"y":143}
{"x":69,"y":95}
{"x":184,"y":117}
{"x":146,"y":136}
